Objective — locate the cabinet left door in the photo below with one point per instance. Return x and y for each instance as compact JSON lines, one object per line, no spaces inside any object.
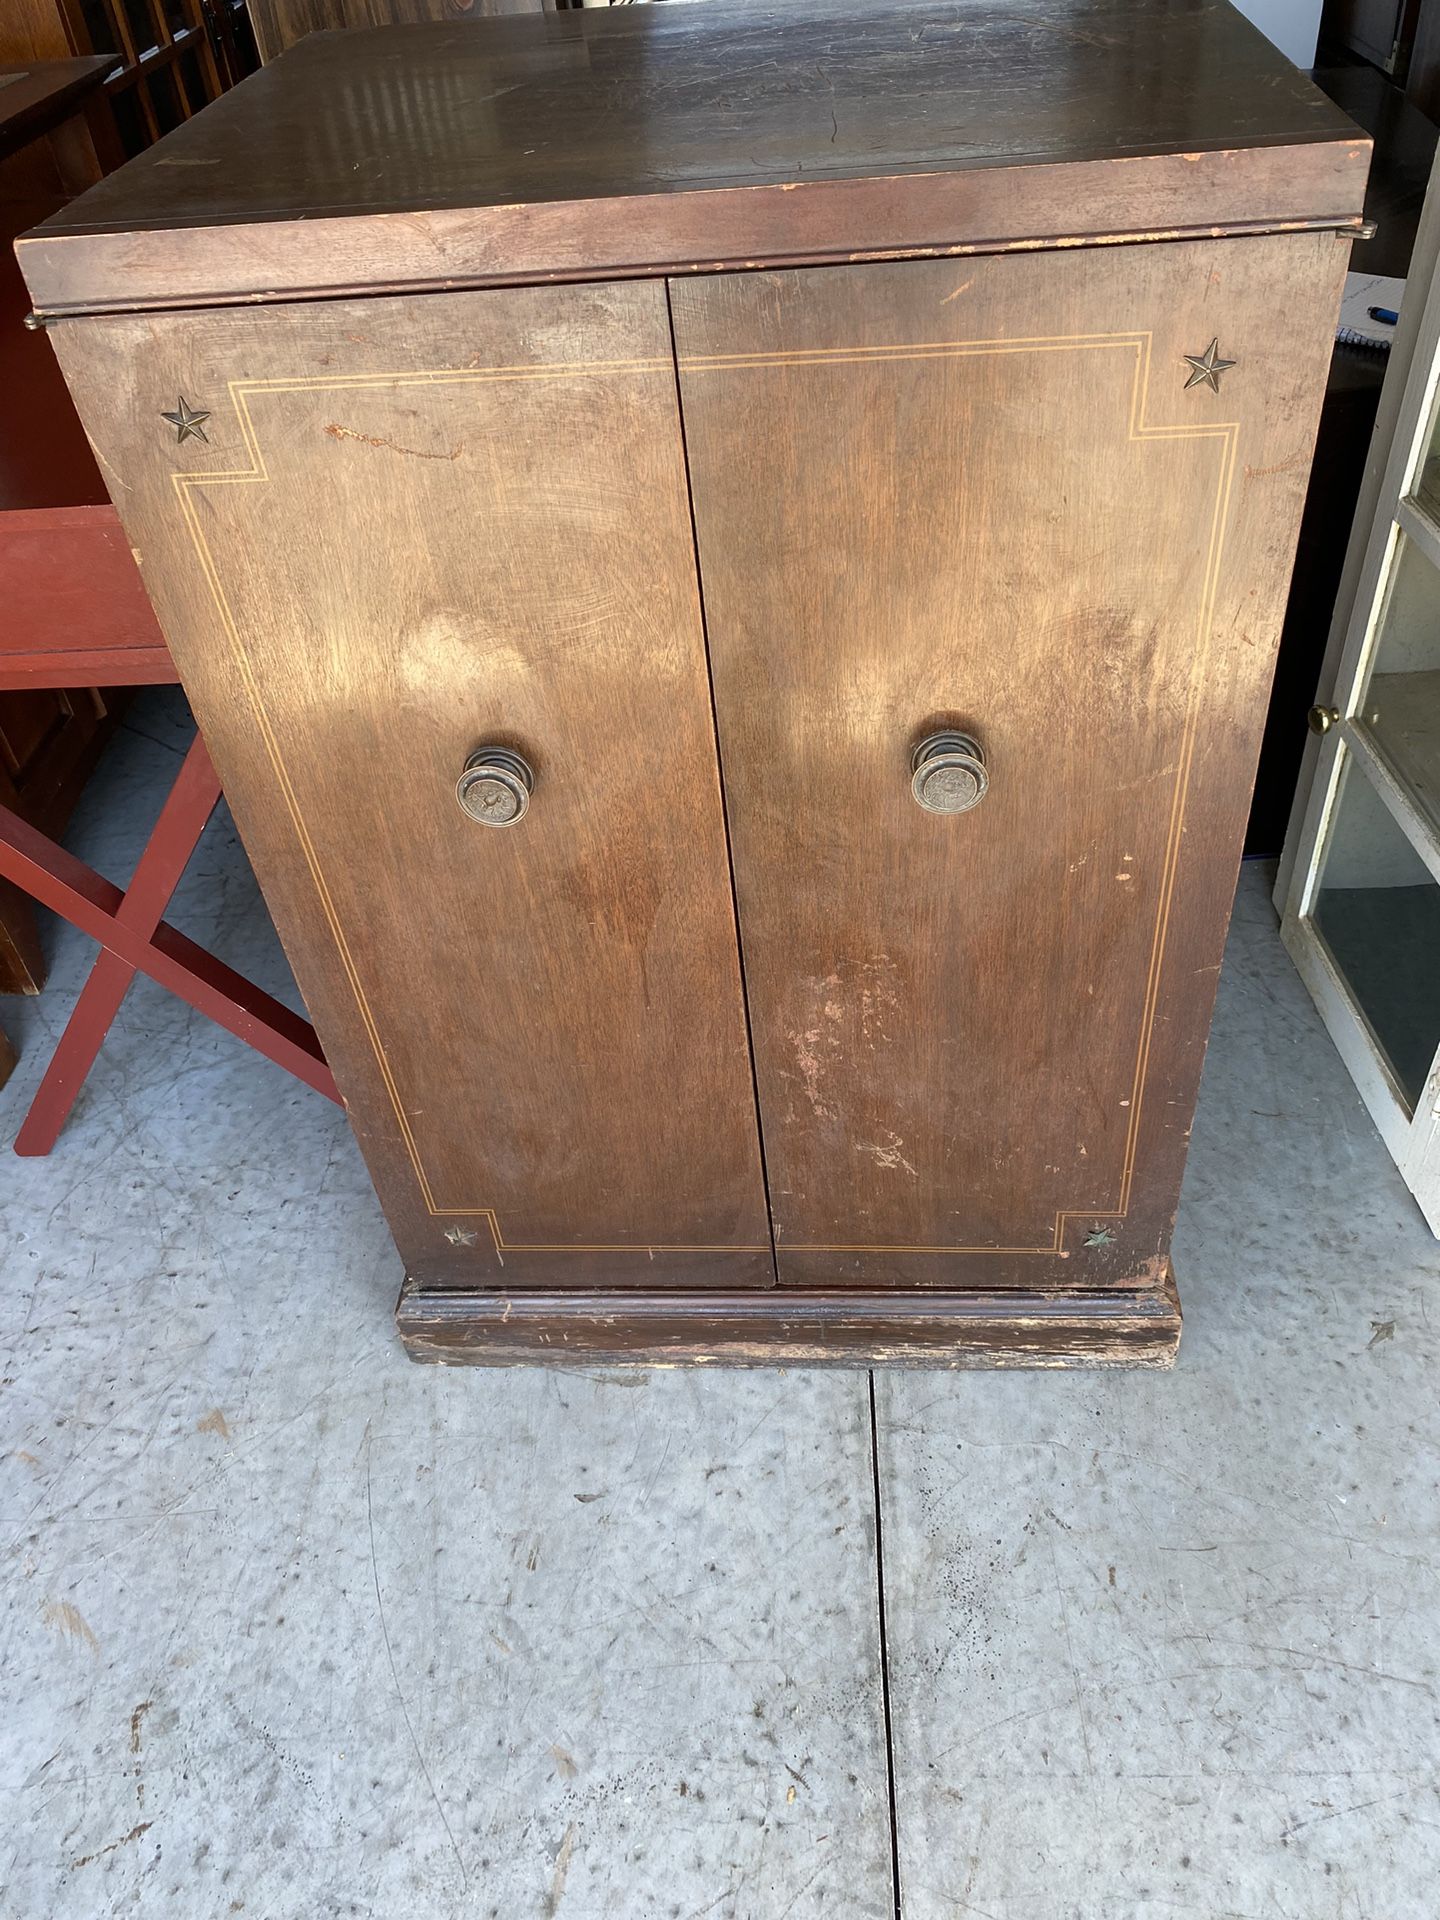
{"x":385,"y":534}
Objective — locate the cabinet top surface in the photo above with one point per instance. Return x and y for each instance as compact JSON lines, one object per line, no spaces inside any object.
{"x":623,"y":108}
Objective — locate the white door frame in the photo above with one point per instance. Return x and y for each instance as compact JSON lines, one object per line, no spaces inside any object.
{"x":1408,"y":409}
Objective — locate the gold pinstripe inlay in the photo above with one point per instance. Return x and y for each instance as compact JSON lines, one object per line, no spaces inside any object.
{"x":257,"y":473}
{"x":1226,"y":432}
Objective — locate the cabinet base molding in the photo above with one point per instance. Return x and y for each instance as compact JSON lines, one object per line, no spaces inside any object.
{"x":838,"y":1327}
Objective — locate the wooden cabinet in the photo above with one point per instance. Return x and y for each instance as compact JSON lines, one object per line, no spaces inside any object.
{"x":738,"y":655}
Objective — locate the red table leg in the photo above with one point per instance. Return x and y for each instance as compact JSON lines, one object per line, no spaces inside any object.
{"x":136,"y":939}
{"x":74,"y":1056}
{"x":183,"y":818}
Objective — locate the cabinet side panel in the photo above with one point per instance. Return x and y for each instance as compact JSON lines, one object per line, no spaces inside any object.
{"x":994,"y":497}
{"x":403,"y":530}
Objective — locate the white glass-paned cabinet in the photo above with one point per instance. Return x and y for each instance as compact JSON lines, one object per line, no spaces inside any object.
{"x":1359,"y":887}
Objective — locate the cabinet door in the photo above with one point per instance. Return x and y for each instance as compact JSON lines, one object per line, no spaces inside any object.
{"x":399,"y":531}
{"x":1003,"y":498}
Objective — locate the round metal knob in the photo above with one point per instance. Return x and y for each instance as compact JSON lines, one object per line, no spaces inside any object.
{"x":495,"y":787}
{"x":1321,"y":719}
{"x":948,"y":773}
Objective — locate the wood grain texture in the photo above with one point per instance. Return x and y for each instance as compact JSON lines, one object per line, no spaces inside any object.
{"x":33,"y":30}
{"x":76,"y":610}
{"x":417,"y":527}
{"x":278,"y":24}
{"x":668,"y":138}
{"x":834,"y":1327}
{"x":983,"y":496}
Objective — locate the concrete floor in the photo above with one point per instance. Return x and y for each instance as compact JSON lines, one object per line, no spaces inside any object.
{"x":293,"y":1628}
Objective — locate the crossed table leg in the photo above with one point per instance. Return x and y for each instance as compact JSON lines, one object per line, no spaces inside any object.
{"x":135,"y":939}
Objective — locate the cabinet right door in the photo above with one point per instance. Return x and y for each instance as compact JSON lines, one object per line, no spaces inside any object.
{"x":1048,"y":503}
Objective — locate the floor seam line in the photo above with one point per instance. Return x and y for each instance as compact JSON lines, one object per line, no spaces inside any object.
{"x":884,"y":1656}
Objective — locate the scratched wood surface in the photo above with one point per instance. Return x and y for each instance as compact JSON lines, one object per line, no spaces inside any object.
{"x":659,"y":138}
{"x":539,"y":1029}
{"x":983,"y":496}
{"x":977,"y":1050}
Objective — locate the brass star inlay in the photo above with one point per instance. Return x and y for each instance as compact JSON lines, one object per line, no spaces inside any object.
{"x":188,"y":422}
{"x":461,"y":1236}
{"x":1099,"y":1237}
{"x":1207,"y":367}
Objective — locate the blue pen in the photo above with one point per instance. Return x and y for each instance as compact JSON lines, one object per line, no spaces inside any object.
{"x":1386,"y":314}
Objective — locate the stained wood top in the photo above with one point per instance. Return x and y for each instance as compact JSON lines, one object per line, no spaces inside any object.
{"x":33,"y":97}
{"x":700,"y":136}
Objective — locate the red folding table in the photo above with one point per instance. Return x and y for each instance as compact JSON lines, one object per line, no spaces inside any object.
{"x":76,"y":615}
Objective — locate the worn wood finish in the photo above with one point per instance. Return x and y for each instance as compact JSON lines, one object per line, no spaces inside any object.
{"x":279,"y":24}
{"x":926,"y":493}
{"x":68,"y":576}
{"x":1003,"y":209}
{"x":984,"y":496}
{"x":824,"y":1327}
{"x":540,"y":1029}
{"x":669,"y":138}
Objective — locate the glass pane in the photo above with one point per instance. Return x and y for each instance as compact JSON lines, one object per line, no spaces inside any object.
{"x":1377,"y":910}
{"x":1427,"y":481}
{"x":1401,"y":709}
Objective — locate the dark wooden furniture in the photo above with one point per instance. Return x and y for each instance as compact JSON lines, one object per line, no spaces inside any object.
{"x":824,"y":485}
{"x":165,"y":58}
{"x":279,"y":24}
